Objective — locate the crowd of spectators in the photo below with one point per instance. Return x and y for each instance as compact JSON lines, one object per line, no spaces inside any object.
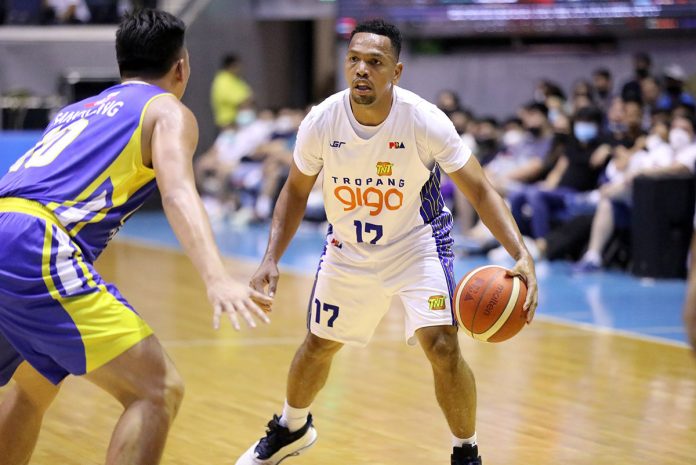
{"x":48,"y":12}
{"x":566,"y":161}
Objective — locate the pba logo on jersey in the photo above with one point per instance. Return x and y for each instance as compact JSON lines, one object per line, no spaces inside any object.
{"x":384,"y":168}
{"x":336,"y":243}
{"x":336,"y":144}
{"x":436,"y":302}
{"x":396,"y":145}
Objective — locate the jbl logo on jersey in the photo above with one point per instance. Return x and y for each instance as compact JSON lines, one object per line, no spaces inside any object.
{"x":396,"y":145}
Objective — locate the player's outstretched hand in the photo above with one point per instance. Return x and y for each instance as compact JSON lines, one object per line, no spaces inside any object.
{"x":266,"y":277}
{"x":524,"y":269}
{"x":235,"y":299}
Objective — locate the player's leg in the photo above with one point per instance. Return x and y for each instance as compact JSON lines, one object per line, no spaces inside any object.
{"x":425,"y":280}
{"x":690,"y":301}
{"x":455,"y":389}
{"x":336,"y":315}
{"x":309,"y":370}
{"x":144,"y":380}
{"x":21,"y":413}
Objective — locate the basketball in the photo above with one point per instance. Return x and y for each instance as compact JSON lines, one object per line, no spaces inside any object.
{"x":488,"y":304}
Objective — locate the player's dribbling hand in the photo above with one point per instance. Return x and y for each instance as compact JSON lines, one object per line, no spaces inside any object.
{"x":266,"y":276}
{"x":235,"y":299}
{"x":524,"y":269}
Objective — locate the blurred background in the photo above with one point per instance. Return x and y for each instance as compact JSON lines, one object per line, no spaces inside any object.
{"x":569,"y":104}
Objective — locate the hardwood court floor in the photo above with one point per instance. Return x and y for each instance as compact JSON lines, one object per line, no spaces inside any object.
{"x":555,"y":395}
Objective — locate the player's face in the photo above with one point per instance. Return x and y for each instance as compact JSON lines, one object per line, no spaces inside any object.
{"x":371,"y":69}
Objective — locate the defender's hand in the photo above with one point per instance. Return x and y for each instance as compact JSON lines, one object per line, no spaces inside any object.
{"x":228,"y":296}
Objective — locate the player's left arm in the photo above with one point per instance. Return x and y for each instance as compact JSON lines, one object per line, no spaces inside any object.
{"x":495,"y":214}
{"x":444,"y":145}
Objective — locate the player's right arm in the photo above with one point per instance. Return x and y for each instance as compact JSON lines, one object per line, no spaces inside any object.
{"x":287,"y":216}
{"x":292,"y":202}
{"x":173,"y":140}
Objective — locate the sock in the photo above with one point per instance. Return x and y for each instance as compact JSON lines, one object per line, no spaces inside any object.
{"x":464,"y":447}
{"x":293,"y":418}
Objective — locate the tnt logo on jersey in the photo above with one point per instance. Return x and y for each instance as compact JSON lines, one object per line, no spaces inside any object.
{"x":384,"y":168}
{"x":436,"y":302}
{"x":396,"y":145}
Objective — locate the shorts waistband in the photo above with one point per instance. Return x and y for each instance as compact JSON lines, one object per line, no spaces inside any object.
{"x":30,"y":207}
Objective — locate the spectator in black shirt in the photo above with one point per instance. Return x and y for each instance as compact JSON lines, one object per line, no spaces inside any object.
{"x":641,"y":66}
{"x":556,"y":197}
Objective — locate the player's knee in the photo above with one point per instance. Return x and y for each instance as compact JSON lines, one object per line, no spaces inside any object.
{"x":164,"y":393}
{"x":442,"y":349}
{"x":173,"y":393}
{"x":317,"y":347}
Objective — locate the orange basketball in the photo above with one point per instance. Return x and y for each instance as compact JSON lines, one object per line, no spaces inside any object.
{"x":488,"y":304}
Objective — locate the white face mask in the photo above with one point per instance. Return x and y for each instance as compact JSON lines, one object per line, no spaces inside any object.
{"x":679,"y":138}
{"x":245,"y":117}
{"x":652,"y":142}
{"x":512,"y":138}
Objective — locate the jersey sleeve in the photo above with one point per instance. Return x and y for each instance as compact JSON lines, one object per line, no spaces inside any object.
{"x":441,"y":141}
{"x":308,"y":154}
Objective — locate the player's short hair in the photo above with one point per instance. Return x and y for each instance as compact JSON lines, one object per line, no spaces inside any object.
{"x":148,"y":43}
{"x":381,"y":28}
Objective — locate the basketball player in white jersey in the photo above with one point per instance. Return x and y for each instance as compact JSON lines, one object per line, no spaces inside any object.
{"x":381,"y":149}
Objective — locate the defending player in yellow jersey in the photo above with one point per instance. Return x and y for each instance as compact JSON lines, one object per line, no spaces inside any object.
{"x":60,"y":204}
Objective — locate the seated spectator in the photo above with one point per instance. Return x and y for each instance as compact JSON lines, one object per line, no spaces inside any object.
{"x":581,"y":97}
{"x":558,"y":196}
{"x":632,"y":89}
{"x":524,"y":162}
{"x":448,"y":101}
{"x":603,"y":88}
{"x":674,"y":93}
{"x":613,"y":209}
{"x":215,"y":168}
{"x":103,"y":11}
{"x":67,"y":12}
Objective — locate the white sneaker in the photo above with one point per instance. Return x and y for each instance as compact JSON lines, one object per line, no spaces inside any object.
{"x":279,"y":444}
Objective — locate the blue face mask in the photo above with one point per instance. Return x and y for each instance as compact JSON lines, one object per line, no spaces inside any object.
{"x":584,"y":131}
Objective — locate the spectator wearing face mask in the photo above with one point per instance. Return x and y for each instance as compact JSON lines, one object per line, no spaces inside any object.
{"x":615,"y":204}
{"x":556,"y":198}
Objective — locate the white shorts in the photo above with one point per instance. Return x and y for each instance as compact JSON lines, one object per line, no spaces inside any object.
{"x":355,"y":285}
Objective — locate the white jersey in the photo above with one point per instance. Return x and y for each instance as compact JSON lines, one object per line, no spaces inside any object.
{"x":378,"y":190}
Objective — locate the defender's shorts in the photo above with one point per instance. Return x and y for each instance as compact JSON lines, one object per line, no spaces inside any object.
{"x":56,"y":312}
{"x":355,"y":284}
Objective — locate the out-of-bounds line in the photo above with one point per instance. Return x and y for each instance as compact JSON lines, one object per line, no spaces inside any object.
{"x":611,"y":331}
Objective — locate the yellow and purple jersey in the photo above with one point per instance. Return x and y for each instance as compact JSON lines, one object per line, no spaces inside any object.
{"x":87,"y":168}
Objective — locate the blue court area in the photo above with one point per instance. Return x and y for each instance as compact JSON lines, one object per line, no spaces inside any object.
{"x":605,"y":301}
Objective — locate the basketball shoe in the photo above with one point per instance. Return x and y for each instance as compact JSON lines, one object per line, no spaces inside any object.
{"x":279,"y":444}
{"x":466,"y":455}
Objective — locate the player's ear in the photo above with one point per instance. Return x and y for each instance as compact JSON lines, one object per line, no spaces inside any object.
{"x":398,"y":69}
{"x":179,"y":69}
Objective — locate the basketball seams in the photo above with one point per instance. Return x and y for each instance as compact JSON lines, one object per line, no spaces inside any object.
{"x":489,"y":283}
